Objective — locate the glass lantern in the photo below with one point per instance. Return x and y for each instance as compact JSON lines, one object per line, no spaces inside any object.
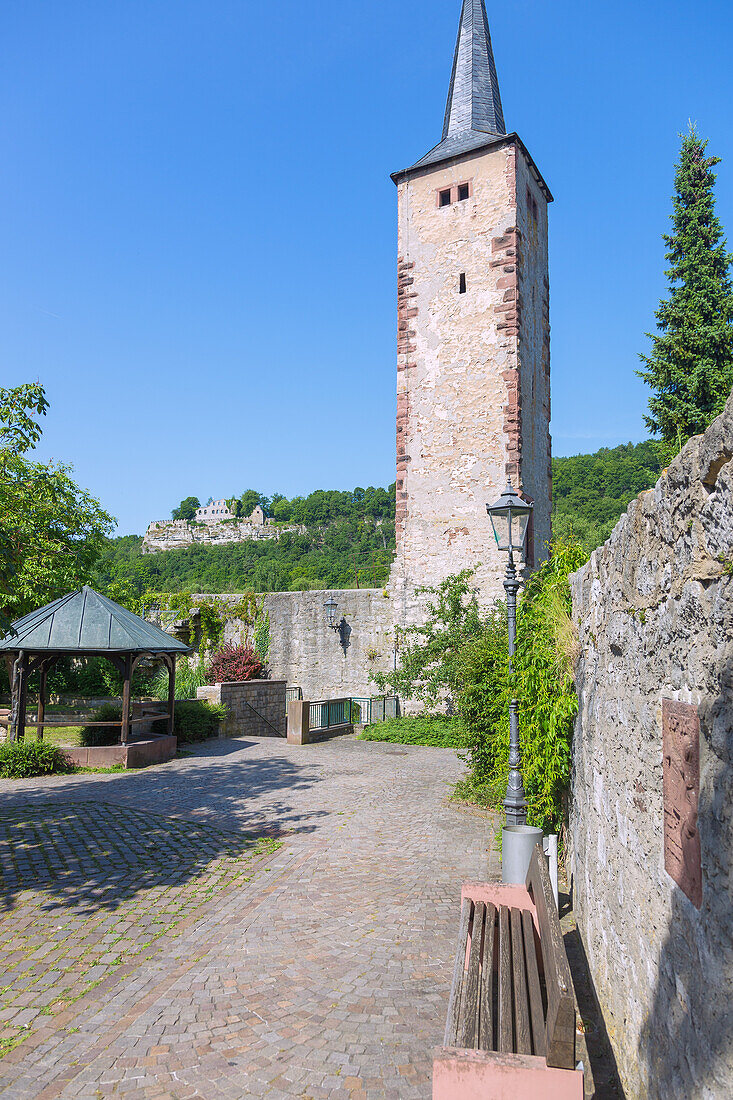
{"x":330,"y":606}
{"x":509,"y":519}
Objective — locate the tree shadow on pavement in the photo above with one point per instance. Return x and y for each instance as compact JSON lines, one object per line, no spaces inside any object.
{"x":97,"y":841}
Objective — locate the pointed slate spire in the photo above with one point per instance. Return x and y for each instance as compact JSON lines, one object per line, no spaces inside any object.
{"x":474,"y":102}
{"x":473,"y":113}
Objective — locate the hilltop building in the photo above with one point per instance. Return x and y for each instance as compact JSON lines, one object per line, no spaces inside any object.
{"x":214,"y":512}
{"x":473,"y":362}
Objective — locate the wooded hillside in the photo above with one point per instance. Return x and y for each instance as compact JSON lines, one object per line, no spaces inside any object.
{"x":349,"y":537}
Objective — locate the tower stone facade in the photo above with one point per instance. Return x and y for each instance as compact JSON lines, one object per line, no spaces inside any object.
{"x":473,"y":366}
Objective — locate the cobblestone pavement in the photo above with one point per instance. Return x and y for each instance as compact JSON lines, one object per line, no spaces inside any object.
{"x":154,"y":947}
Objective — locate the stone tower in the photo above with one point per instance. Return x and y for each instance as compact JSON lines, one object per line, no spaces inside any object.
{"x":473,"y":362}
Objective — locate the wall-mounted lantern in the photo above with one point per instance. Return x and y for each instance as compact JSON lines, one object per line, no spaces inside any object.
{"x":341,"y":627}
{"x":330,"y":606}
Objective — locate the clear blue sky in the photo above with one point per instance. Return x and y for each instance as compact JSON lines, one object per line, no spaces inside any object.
{"x":198,"y":228}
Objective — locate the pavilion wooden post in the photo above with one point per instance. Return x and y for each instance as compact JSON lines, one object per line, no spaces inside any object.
{"x":126,"y":699}
{"x":20,"y":697}
{"x":41,"y":712}
{"x":170,"y":660}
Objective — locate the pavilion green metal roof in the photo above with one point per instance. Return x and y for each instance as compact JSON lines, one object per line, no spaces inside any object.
{"x":85,"y":622}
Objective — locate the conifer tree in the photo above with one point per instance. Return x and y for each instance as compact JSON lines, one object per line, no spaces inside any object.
{"x":690,"y":369}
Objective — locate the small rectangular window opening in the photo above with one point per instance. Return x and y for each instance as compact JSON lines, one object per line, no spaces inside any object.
{"x":462,"y":192}
{"x":462,"y":283}
{"x":445,"y":197}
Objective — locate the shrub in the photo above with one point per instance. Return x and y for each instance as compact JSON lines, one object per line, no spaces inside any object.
{"x":94,"y":736}
{"x":194,"y":720}
{"x":234,"y":664}
{"x":543,"y":685}
{"x":423,"y":730}
{"x":430,"y":654}
{"x":24,"y":759}
{"x":190,"y":675}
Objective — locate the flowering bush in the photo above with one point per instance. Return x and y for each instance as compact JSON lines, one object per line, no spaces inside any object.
{"x":234,"y":663}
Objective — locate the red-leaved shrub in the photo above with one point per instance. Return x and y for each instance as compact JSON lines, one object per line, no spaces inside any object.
{"x":232,"y":663}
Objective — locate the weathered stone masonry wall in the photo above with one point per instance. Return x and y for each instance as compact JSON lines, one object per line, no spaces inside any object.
{"x":256,"y":707}
{"x":306,"y":652}
{"x":655,"y":612}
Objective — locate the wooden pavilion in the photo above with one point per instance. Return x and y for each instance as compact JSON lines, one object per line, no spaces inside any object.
{"x":83,"y":624}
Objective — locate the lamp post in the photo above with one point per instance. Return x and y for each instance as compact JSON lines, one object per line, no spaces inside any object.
{"x":509,"y":519}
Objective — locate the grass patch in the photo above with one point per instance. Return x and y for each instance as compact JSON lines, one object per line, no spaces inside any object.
{"x":488,"y":796}
{"x":68,"y":736}
{"x":445,"y":733}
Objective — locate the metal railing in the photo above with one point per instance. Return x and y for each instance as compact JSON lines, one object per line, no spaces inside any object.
{"x":293,"y":694}
{"x":352,"y":711}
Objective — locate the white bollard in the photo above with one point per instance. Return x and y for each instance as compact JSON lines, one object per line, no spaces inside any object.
{"x":550,"y":845}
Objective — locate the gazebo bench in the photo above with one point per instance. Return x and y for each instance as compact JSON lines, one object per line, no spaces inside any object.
{"x":510,"y":1033}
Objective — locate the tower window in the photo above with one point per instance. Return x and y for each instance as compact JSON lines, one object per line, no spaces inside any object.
{"x":445,"y":197}
{"x":462,"y":283}
{"x":462,"y":192}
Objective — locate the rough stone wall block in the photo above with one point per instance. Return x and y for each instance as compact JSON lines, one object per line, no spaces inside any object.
{"x":654,"y":609}
{"x":256,"y":707}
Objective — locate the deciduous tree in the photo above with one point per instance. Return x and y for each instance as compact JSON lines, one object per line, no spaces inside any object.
{"x":51,"y":530}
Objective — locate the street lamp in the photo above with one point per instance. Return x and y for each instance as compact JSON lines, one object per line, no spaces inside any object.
{"x":509,"y":519}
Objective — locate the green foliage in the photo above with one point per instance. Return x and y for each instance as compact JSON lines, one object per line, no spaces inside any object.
{"x":187,"y":508}
{"x":542,"y":683}
{"x":51,"y":531}
{"x":262,"y":638}
{"x":194,"y":720}
{"x":690,"y":369}
{"x":590,"y":492}
{"x":430,"y":654}
{"x":190,"y":676}
{"x":94,"y":736}
{"x":24,"y":759}
{"x":424,"y":730}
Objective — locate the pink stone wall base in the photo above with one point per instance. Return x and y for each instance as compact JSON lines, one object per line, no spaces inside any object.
{"x":486,"y":1075}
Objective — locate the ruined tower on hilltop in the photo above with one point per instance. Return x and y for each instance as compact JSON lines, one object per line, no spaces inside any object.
{"x":473,"y":364}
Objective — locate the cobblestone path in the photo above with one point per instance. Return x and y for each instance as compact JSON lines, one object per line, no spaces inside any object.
{"x":254,"y":920}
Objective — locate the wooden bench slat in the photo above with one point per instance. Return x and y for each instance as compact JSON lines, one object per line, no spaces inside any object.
{"x":536,"y":1009}
{"x":523,"y":1041}
{"x":505,"y":1036}
{"x":454,"y":1005}
{"x":469,"y":1014}
{"x":560,"y":1023}
{"x":486,"y":1004}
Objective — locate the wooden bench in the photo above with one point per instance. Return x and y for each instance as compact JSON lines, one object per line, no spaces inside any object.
{"x":510,"y":1033}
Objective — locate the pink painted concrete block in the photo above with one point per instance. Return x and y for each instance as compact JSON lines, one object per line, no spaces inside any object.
{"x":500,"y":893}
{"x":485,"y":1075}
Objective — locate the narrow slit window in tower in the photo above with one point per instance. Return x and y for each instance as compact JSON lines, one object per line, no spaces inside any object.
{"x":462,"y":192}
{"x":445,"y":197}
{"x":462,"y":283}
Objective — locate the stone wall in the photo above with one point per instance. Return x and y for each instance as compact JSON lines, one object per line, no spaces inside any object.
{"x":308,"y":654}
{"x":257,"y":708}
{"x":655,"y":612}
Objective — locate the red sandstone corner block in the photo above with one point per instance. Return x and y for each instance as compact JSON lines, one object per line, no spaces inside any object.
{"x":486,"y":1075}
